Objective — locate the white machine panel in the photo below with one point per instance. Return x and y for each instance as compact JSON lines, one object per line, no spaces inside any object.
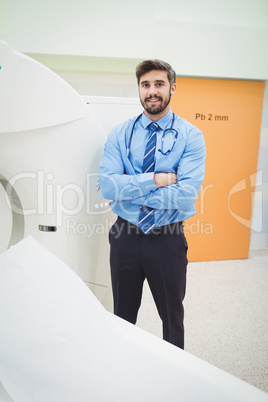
{"x":51,"y":143}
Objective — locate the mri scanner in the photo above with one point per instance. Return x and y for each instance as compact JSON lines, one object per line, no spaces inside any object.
{"x":51,"y":142}
{"x":57,"y":341}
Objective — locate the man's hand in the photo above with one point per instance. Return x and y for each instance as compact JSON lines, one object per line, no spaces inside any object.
{"x":165,"y":179}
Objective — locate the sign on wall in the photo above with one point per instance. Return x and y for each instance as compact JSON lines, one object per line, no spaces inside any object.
{"x":228,"y":112}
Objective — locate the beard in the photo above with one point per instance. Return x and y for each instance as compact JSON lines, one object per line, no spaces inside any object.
{"x":152,"y":109}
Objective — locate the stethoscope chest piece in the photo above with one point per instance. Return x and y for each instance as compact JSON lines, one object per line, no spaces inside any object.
{"x":170,"y":129}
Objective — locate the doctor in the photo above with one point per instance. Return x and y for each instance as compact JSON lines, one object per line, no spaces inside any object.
{"x":152,"y":168}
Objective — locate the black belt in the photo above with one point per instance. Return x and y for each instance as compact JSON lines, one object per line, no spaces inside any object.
{"x":176,"y":227}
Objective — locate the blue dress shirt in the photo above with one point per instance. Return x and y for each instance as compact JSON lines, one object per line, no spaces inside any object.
{"x":122,"y":181}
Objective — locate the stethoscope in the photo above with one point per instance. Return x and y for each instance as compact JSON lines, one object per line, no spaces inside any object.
{"x":162,"y":140}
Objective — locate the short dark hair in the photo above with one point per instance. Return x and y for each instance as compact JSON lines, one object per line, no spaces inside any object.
{"x":148,"y":65}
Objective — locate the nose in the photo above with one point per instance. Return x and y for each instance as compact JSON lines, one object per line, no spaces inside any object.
{"x":152,"y":90}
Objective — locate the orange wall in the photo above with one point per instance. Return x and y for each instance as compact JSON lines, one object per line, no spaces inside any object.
{"x":228,"y":112}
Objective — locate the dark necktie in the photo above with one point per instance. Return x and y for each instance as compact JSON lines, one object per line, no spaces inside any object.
{"x":146,"y":216}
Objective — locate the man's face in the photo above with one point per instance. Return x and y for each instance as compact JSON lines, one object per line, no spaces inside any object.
{"x":155,"y":93}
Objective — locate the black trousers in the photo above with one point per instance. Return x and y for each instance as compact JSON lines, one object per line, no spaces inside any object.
{"x":161,"y":258}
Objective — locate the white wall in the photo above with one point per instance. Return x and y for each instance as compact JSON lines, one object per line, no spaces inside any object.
{"x":259,"y":231}
{"x":208,"y":38}
{"x":100,"y":84}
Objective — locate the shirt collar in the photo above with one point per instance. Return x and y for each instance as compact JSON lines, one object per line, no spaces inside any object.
{"x":163,"y":122}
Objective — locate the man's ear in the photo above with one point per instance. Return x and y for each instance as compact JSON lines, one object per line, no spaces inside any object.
{"x":173,"y":89}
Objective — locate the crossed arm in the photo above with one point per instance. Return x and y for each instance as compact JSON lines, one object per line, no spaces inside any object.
{"x":165,"y":179}
{"x":165,"y":190}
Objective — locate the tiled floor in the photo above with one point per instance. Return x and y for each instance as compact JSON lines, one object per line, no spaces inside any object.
{"x":226,"y":316}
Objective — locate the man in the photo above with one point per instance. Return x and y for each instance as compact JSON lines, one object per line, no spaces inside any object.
{"x":153,"y":173}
